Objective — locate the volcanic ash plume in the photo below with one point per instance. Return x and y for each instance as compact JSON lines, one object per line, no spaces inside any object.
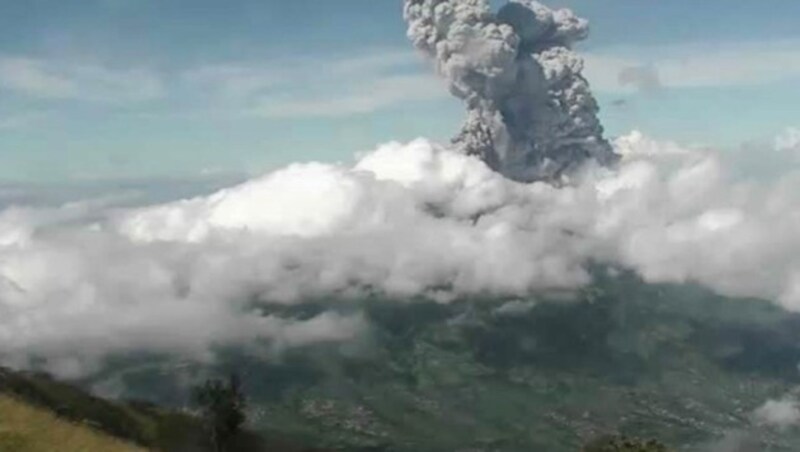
{"x":530,"y":112}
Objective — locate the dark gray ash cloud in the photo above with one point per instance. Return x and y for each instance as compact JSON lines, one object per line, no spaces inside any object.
{"x":530,"y":112}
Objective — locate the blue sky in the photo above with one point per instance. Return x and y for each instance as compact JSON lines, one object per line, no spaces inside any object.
{"x":136,"y":89}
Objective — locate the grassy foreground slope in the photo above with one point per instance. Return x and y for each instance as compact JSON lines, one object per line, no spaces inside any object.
{"x":38,"y":413}
{"x":26,"y":428}
{"x":144,"y":425}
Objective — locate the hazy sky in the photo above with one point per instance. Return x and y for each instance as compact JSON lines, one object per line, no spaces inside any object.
{"x":132,"y":89}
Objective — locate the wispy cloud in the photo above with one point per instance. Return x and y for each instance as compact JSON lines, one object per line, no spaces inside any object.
{"x":370,"y":96}
{"x":643,"y":78}
{"x":294,"y":88}
{"x":54,"y":79}
{"x":695,"y":65}
{"x":328,"y":87}
{"x":232,"y":82}
{"x":20,"y":120}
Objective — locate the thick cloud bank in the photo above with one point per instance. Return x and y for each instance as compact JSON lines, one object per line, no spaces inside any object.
{"x":531,"y":114}
{"x":84,"y":281}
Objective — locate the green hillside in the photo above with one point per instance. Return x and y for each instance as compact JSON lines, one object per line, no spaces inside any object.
{"x":676,"y":364}
{"x":673,"y":363}
{"x":38,"y":413}
{"x":140,"y":424}
{"x":27,"y":428}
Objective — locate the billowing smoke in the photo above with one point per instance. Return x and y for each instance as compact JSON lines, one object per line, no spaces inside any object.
{"x":530,"y":113}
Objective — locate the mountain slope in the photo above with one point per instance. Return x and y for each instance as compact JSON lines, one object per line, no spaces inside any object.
{"x":37,"y":413}
{"x":26,"y":428}
{"x":674,"y":363}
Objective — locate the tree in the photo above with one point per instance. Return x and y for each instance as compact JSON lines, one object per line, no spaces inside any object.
{"x":222,"y":407}
{"x":624,"y":444}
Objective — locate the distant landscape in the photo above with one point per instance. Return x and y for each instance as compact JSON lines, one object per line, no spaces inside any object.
{"x":399,"y":226}
{"x":672,"y":363}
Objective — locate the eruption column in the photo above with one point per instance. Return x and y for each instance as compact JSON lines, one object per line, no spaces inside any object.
{"x":530,"y":112}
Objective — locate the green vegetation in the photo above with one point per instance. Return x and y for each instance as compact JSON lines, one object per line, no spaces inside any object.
{"x":673,"y":363}
{"x":37,"y":406}
{"x":26,"y":428}
{"x":624,"y":444}
{"x":138,"y":423}
{"x":222,"y":409}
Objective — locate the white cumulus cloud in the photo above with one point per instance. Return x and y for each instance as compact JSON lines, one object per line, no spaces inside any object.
{"x":78,"y":283}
